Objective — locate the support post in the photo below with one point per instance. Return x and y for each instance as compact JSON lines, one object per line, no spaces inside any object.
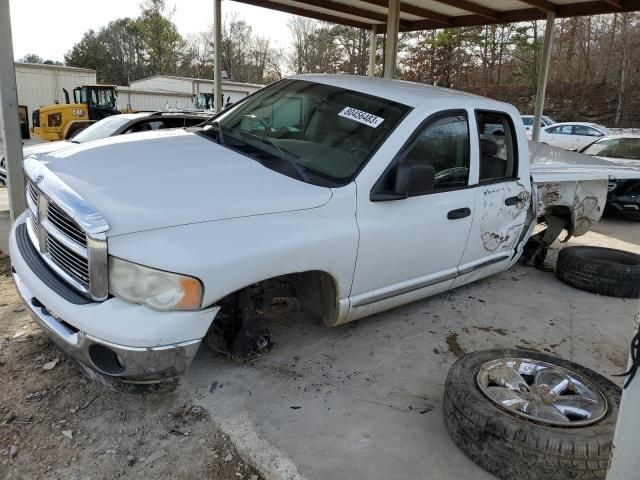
{"x":373,"y":50}
{"x":391,"y":47}
{"x":542,"y":76}
{"x":11,"y":137}
{"x":217,"y":55}
{"x":625,"y":461}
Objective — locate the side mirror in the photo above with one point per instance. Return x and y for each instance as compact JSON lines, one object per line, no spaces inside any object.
{"x":410,"y":179}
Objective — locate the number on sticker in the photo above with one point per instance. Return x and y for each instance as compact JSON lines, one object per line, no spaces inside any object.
{"x":360,"y":116}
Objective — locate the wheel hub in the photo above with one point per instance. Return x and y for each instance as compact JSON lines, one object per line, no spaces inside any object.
{"x":542,"y":392}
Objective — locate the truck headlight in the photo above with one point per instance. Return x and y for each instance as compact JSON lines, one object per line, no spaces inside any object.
{"x":156,"y":288}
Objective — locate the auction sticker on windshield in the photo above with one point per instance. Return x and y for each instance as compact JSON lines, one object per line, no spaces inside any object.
{"x":360,"y":116}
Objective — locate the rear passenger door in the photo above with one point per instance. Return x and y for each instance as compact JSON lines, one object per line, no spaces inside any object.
{"x":501,"y":199}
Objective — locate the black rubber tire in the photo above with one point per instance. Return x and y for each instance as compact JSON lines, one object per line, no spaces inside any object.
{"x":513,"y":448}
{"x":73,"y":132}
{"x":605,"y":271}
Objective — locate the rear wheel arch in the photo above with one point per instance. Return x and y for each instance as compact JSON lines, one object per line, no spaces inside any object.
{"x":561,"y":214}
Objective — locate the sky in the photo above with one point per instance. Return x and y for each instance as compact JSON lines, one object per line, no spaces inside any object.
{"x":49,"y":28}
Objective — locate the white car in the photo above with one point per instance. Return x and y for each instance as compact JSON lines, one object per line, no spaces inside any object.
{"x":545,"y":121}
{"x":353,"y":194}
{"x":115,"y":125}
{"x":572,"y":135}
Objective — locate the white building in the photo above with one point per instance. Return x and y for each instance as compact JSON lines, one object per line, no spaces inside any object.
{"x":232,"y":91}
{"x":40,"y":84}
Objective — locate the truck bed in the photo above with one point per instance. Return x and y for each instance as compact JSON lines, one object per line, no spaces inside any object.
{"x":550,"y":164}
{"x":575,"y":182}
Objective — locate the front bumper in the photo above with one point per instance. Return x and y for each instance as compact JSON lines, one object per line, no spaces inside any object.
{"x":133,"y":364}
{"x":116,"y":339}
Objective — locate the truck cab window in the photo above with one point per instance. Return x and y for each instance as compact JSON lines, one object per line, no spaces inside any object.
{"x":497,"y":146}
{"x":443,"y":143}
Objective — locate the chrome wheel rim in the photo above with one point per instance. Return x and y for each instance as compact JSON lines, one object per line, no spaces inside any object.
{"x":542,"y":392}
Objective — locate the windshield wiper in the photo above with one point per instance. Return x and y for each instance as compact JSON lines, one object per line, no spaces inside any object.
{"x":285,"y":155}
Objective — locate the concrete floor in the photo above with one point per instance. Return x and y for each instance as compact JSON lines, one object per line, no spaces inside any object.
{"x":363,"y":401}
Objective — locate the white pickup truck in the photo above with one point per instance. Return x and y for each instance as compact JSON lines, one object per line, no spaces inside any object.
{"x":353,"y":194}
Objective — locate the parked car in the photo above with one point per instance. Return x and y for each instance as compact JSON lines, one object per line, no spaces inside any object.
{"x":572,"y":135}
{"x":353,"y":194}
{"x":115,"y":125}
{"x":545,"y":121}
{"x":624,"y":195}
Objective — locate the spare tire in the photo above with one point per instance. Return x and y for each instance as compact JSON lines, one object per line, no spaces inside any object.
{"x":606,"y":271}
{"x":525,"y":415}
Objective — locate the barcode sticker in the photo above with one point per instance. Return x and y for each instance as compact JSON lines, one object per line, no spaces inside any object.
{"x":360,"y":116}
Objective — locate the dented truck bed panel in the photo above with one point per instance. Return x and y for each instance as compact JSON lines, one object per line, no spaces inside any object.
{"x":585,"y":200}
{"x":575,"y":182}
{"x":552,"y":165}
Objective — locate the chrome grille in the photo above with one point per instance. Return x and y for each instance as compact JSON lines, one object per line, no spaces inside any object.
{"x":64,"y":244}
{"x":68,"y":260}
{"x":68,"y":232}
{"x":64,"y":223}
{"x":32,"y":191}
{"x":34,"y":223}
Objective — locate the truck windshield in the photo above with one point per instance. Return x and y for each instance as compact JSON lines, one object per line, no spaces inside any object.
{"x":101,"y":129}
{"x":318,"y":133}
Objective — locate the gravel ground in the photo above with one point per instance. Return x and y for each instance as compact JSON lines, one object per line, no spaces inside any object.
{"x":54,"y":423}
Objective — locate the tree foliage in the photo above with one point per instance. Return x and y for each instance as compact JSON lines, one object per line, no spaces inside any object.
{"x":603,"y":49}
{"x":34,"y":58}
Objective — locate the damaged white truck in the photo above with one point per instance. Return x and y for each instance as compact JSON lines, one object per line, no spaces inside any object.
{"x":353,"y":194}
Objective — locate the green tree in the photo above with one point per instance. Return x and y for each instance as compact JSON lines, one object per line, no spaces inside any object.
{"x":163,"y":44}
{"x":31,"y":58}
{"x":313,"y":48}
{"x":89,"y":52}
{"x":527,"y":51}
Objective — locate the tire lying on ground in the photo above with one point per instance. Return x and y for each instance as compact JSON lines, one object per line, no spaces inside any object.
{"x":524,"y":415}
{"x":606,"y":271}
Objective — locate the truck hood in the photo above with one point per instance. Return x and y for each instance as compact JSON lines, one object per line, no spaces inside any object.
{"x":154,"y":180}
{"x":46,"y":147}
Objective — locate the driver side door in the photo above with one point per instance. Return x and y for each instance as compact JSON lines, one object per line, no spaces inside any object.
{"x":410,"y":247}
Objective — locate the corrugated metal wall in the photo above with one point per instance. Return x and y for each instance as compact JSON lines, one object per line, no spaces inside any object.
{"x":233,"y":91}
{"x":40,"y":85}
{"x":163,"y":100}
{"x":149,"y":100}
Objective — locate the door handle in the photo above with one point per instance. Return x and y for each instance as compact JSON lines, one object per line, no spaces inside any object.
{"x":458,"y":213}
{"x":511,"y":201}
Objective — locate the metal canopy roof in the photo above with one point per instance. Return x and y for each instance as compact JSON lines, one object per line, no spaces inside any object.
{"x":430,"y":14}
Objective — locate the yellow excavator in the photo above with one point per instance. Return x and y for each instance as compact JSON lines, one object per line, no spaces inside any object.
{"x":62,"y":121}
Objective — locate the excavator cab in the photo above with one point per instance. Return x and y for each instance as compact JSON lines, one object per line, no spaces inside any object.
{"x":99,"y":99}
{"x":61,"y":121}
